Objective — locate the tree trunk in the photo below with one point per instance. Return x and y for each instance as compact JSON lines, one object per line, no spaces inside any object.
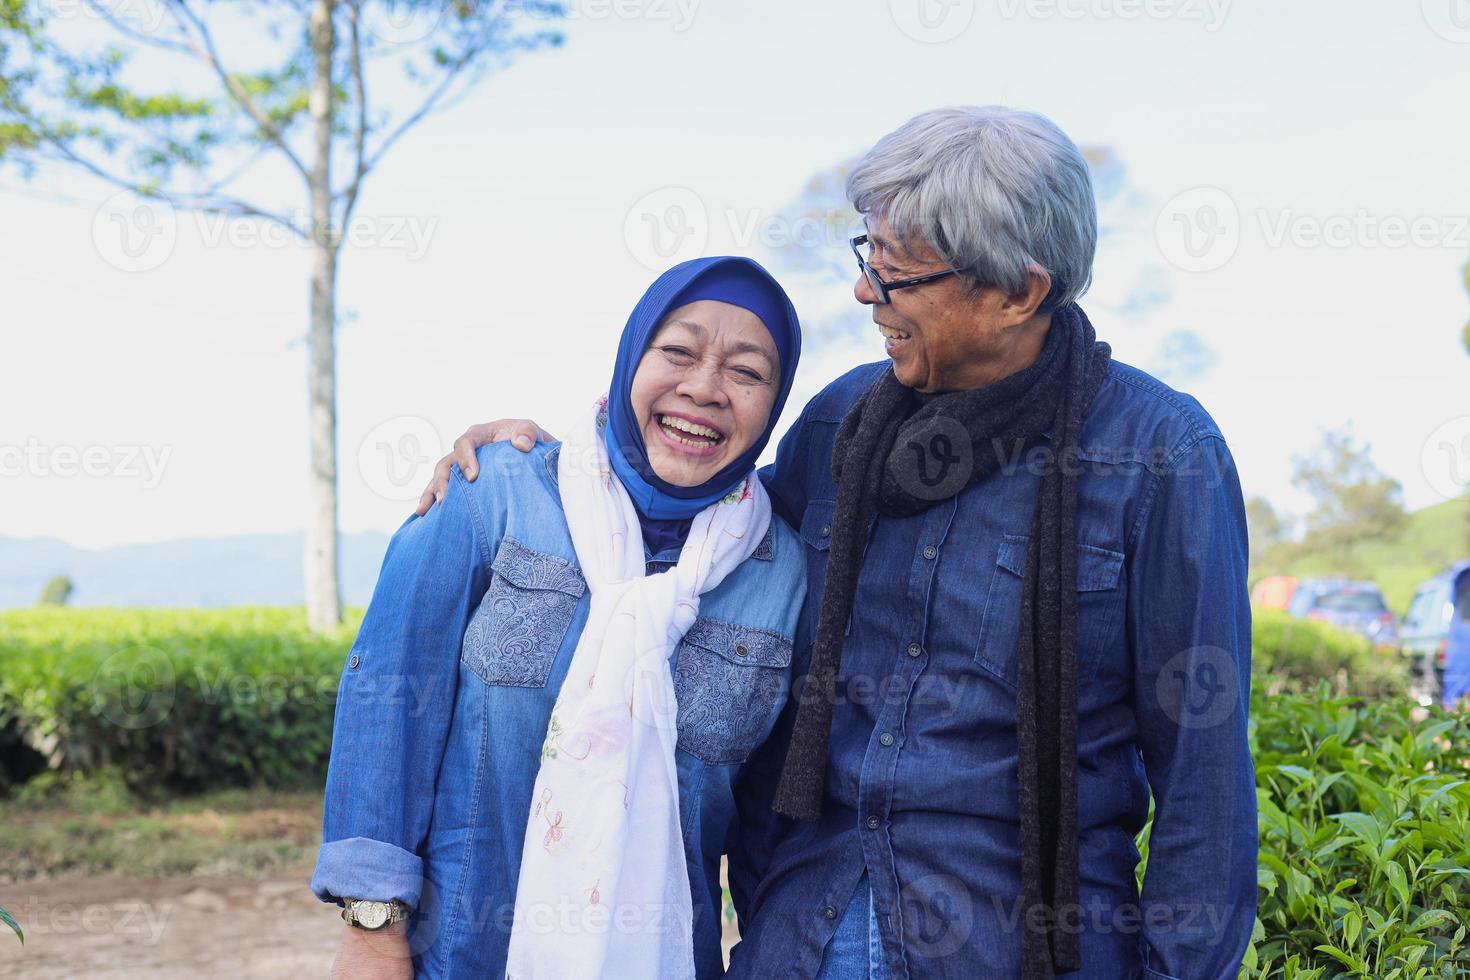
{"x":323,"y":595}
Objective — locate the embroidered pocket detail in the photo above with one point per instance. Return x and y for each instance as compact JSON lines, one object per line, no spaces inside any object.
{"x":514,"y":636}
{"x":730,"y":681}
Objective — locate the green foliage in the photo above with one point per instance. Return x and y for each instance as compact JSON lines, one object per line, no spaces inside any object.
{"x":57,"y":591}
{"x":1364,"y":867}
{"x":1355,"y":501}
{"x":1298,"y":655}
{"x":186,"y":699}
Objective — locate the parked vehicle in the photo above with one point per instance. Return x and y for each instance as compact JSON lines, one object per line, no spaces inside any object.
{"x":1436,"y":635}
{"x":1274,"y":591}
{"x":1358,"y":606}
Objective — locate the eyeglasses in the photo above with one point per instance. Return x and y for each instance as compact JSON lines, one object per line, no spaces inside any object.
{"x":880,"y":288}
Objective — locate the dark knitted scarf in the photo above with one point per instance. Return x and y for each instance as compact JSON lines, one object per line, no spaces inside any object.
{"x":898,"y":453}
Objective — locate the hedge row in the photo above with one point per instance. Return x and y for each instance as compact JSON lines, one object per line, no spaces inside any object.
{"x":184,"y":699}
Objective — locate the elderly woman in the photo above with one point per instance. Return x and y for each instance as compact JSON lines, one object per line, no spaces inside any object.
{"x":566,"y":665}
{"x":1036,"y":557}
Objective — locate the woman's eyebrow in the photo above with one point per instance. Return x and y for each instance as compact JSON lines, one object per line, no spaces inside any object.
{"x":746,"y":347}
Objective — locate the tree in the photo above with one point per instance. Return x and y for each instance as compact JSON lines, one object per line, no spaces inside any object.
{"x":57,"y":591}
{"x":1355,"y":501}
{"x":303,"y":85}
{"x":1269,"y":532}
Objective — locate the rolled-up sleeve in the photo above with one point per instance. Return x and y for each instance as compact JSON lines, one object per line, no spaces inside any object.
{"x":394,"y":705}
{"x":1190,"y":631}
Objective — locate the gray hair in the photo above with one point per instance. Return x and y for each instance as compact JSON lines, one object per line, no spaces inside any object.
{"x":992,"y":190}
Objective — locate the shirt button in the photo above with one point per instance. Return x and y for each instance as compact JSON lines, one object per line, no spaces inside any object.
{"x":741,"y":650}
{"x":886,"y":738}
{"x":353,"y":661}
{"x":873,"y":823}
{"x":829,"y":911}
{"x":915,"y":650}
{"x":826,"y":529}
{"x":930,"y":552}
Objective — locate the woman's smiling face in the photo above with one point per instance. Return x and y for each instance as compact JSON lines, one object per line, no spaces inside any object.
{"x":704,"y":390}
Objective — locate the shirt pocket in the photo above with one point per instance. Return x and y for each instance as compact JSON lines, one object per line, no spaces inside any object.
{"x":514,"y":636}
{"x":730,"y":682}
{"x":1099,"y":603}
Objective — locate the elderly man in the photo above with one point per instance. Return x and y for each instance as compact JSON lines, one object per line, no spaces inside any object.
{"x":1027,"y":613}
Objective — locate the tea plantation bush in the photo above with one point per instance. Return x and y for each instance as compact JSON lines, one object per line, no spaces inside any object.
{"x":1364,"y":797}
{"x":185,"y":699}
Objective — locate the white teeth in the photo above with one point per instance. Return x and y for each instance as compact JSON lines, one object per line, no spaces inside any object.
{"x":891,"y":333}
{"x":693,"y":428}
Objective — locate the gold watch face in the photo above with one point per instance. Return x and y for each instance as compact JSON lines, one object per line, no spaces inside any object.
{"x":371,"y":915}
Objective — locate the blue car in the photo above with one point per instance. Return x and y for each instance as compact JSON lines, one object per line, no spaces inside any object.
{"x":1436,"y":635}
{"x":1357,"y":606}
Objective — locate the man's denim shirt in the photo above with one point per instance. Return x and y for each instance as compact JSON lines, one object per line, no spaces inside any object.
{"x":921,"y":785}
{"x":446,"y":695}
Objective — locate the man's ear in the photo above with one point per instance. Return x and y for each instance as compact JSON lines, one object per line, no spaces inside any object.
{"x":1023,"y":305}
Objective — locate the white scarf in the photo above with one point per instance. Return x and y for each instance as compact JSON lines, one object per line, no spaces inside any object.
{"x":604,"y":889}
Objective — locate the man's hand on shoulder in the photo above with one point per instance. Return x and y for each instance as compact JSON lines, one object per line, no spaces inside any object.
{"x":521,"y":433}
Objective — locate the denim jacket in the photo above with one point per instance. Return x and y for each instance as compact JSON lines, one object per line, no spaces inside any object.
{"x":921,"y":788}
{"x":448,"y":689}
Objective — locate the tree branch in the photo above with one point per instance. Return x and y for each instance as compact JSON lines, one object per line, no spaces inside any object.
{"x":142,"y":37}
{"x":210,"y":55}
{"x":208,"y":202}
{"x":359,"y":136}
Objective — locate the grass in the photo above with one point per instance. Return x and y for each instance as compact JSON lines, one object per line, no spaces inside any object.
{"x":93,"y":825}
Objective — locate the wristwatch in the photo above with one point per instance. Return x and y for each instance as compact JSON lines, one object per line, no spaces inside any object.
{"x":373,"y":915}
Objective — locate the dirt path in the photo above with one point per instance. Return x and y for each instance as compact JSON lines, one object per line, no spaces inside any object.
{"x":170,"y":928}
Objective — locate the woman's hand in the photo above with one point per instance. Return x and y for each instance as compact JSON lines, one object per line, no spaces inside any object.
{"x":380,"y":954}
{"x":522,"y":433}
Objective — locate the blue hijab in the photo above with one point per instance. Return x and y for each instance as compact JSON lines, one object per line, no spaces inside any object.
{"x":666,"y":510}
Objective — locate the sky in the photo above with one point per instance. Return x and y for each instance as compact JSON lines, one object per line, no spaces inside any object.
{"x":1298,"y":172}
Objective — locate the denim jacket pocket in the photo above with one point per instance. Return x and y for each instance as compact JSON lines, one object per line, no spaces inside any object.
{"x":514,"y":635}
{"x":1099,"y":603}
{"x":730,"y":681}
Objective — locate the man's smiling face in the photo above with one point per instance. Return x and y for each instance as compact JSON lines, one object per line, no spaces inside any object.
{"x":944,"y":335}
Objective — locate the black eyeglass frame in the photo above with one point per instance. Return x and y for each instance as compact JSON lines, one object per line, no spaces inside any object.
{"x":881,"y":289}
